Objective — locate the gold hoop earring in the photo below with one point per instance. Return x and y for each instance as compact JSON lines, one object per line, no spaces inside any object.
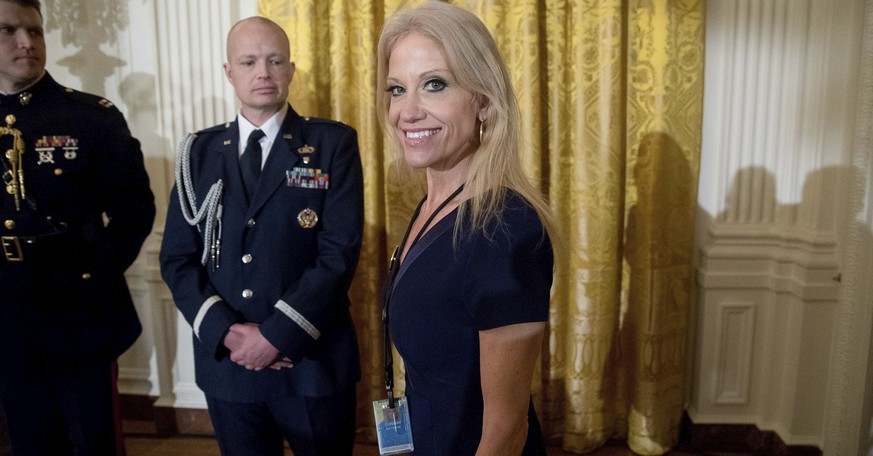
{"x":481,"y":127}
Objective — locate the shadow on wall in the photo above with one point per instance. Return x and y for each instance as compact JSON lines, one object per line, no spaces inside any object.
{"x":752,"y":207}
{"x":752,"y":200}
{"x":88,"y":27}
{"x":658,"y":244}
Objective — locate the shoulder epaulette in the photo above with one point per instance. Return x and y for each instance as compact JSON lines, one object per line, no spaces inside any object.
{"x":88,"y":99}
{"x":214,"y":128}
{"x":322,"y":121}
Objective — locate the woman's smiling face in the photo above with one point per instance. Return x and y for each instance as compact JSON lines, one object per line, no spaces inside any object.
{"x":434,"y":117}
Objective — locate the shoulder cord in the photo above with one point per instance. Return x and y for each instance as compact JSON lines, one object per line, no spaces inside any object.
{"x":393,"y":267}
{"x":210,"y":211}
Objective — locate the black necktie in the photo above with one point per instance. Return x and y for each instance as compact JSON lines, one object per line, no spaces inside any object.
{"x":250,"y":162}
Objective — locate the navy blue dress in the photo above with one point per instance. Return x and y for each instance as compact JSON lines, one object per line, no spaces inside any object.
{"x":442,"y":297}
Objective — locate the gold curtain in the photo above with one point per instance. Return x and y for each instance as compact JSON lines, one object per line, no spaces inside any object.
{"x":611,"y":94}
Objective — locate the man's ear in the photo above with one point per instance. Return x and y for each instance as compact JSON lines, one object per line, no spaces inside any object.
{"x":227,"y":73}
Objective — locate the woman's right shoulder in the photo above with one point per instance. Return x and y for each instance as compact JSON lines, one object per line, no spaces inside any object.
{"x":518,"y":211}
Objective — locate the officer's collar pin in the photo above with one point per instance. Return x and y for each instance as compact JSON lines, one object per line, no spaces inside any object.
{"x":24,"y":98}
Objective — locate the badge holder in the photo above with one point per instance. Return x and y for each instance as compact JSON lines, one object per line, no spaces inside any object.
{"x":393,"y":427}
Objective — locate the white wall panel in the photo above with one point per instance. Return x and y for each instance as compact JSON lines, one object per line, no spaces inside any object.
{"x":735,"y":324}
{"x":779,"y":113}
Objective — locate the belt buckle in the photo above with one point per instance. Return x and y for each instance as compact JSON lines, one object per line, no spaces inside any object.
{"x":12,"y":248}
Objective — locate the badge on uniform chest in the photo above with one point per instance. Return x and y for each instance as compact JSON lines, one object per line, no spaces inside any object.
{"x":307,"y":178}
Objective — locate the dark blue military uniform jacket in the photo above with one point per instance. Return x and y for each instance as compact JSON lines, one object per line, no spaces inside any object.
{"x":286,"y":260}
{"x":85,"y":211}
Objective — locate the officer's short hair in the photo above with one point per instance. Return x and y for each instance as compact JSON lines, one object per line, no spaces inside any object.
{"x":27,"y":4}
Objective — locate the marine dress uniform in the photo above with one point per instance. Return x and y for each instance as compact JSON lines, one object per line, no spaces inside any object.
{"x":284,"y":260}
{"x":74,"y":214}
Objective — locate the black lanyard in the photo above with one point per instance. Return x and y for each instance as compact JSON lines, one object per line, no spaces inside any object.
{"x":393,"y":267}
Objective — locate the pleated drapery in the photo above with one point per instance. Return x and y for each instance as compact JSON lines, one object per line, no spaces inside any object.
{"x":611,"y":94}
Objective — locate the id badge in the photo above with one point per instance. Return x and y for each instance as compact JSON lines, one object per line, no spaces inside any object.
{"x":392,"y":426}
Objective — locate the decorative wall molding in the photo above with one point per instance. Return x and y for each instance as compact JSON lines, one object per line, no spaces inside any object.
{"x":775,"y":171}
{"x":188,"y":395}
{"x":736,"y":329}
{"x":135,"y":380}
{"x":755,"y":256}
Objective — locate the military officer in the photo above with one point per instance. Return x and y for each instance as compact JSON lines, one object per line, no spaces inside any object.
{"x":261,"y":242}
{"x":75,"y":209}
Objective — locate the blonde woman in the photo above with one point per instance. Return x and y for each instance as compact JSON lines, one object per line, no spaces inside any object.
{"x":468,"y":303}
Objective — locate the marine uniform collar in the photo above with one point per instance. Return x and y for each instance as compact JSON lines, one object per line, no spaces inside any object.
{"x":26,"y":96}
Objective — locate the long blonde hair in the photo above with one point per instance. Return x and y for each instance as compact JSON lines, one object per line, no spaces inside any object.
{"x":475,"y":62}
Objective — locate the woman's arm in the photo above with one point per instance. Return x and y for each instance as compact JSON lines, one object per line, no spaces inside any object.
{"x":508,"y":356}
